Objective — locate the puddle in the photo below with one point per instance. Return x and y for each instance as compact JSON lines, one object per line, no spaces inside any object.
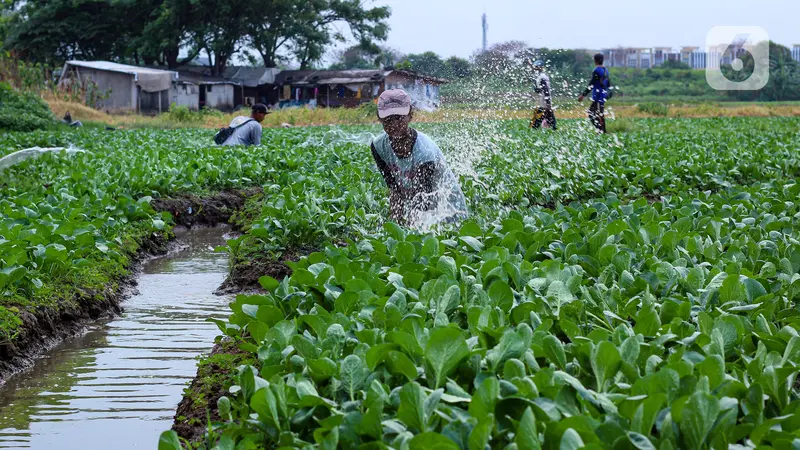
{"x":118,"y":385}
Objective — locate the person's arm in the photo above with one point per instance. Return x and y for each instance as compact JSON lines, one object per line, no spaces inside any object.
{"x":425,"y":183}
{"x":257,"y":130}
{"x":594,"y":82}
{"x":396,"y":203}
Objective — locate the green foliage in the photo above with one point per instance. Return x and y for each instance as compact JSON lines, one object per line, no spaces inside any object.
{"x":627,"y":291}
{"x":654,"y":109}
{"x":153,"y":31}
{"x":182,"y":114}
{"x":23,"y":111}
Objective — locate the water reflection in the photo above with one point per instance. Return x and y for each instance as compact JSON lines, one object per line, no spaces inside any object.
{"x":118,"y":385}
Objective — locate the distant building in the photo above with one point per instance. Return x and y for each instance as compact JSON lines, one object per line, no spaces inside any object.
{"x":122,"y":88}
{"x":349,"y":88}
{"x":210,"y":92}
{"x":796,"y":52}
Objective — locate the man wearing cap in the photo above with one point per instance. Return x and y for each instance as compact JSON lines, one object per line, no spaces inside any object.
{"x":422,"y":188}
{"x":247,"y":130}
{"x":544,"y":113}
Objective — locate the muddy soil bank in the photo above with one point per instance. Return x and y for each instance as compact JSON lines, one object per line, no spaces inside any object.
{"x":44,"y":328}
{"x":190,"y":210}
{"x":215,"y":375}
{"x":245,"y":274}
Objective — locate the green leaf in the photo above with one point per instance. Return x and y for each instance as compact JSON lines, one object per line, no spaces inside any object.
{"x":571,"y":440}
{"x":560,"y":293}
{"x":697,"y":418}
{"x":485,"y":398}
{"x":511,"y":345}
{"x":400,"y":364}
{"x":527,"y":437}
{"x":445,"y":350}
{"x":501,"y":294}
{"x":412,"y":407}
{"x":554,"y":351}
{"x":266,"y":405}
{"x":606,"y":362}
{"x":647,"y":321}
{"x":447,"y":265}
{"x":732,"y":290}
{"x":353,"y":373}
{"x":169,"y":441}
{"x":404,"y":252}
{"x":482,"y":433}
{"x":432,"y":441}
{"x":268,"y":283}
{"x":473,"y":243}
{"x":640,"y":441}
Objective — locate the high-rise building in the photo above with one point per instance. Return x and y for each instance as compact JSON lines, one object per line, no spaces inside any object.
{"x":796,"y":52}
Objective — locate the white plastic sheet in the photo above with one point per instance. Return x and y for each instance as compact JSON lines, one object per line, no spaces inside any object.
{"x":17,"y":157}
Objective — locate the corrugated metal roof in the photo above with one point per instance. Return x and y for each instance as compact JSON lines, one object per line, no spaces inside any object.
{"x":251,"y":76}
{"x":203,"y":79}
{"x":316,"y":77}
{"x":122,"y":68}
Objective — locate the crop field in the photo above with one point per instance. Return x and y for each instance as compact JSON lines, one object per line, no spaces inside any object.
{"x":639,"y":290}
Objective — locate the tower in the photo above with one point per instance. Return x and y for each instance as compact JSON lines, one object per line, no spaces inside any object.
{"x":485,"y":23}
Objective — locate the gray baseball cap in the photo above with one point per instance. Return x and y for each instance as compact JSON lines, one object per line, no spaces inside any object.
{"x":394,"y":102}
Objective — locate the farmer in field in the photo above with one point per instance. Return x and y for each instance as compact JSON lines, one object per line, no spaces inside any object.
{"x":599,"y":86}
{"x":245,"y":130}
{"x":544,"y":115}
{"x":422,"y":188}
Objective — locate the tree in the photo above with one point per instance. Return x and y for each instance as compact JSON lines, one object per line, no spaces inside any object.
{"x":428,"y":63}
{"x":458,"y":67}
{"x":784,"y":75}
{"x":674,"y":64}
{"x":502,"y":59}
{"x":370,"y":57}
{"x":53,"y":31}
{"x":304,"y":28}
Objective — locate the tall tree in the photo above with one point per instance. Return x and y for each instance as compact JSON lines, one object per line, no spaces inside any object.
{"x":366,"y":57}
{"x":52,"y":31}
{"x":304,"y":28}
{"x":428,"y":63}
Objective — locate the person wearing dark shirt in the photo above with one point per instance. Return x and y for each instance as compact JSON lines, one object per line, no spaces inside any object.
{"x":599,"y":87}
{"x":544,"y":113}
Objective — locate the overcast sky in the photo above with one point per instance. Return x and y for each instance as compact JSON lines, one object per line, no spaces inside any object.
{"x":453,"y":27}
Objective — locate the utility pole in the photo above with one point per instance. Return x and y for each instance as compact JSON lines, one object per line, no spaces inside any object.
{"x":485,"y":23}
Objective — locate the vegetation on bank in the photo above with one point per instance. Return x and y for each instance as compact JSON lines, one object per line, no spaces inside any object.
{"x":23,"y":111}
{"x":645,"y":306}
{"x":595,"y":270}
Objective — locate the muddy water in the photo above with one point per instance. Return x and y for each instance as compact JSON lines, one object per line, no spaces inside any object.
{"x":118,"y":385}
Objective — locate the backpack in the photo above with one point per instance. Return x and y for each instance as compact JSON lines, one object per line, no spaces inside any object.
{"x":224,"y":133}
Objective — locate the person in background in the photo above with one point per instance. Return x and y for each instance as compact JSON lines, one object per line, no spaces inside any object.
{"x":247,"y":130}
{"x":413,"y":166}
{"x":544,"y":113}
{"x":68,"y":120}
{"x":599,"y":87}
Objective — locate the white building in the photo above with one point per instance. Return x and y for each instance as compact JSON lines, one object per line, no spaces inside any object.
{"x":796,"y":52}
{"x":122,"y":88}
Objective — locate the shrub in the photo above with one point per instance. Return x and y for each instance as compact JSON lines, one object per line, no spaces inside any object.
{"x":654,"y":109}
{"x":23,"y":111}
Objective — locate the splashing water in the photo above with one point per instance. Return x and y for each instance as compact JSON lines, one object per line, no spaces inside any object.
{"x":33,"y":152}
{"x":336,"y":136}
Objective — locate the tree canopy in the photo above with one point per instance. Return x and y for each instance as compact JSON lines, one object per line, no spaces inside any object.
{"x":159,"y":31}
